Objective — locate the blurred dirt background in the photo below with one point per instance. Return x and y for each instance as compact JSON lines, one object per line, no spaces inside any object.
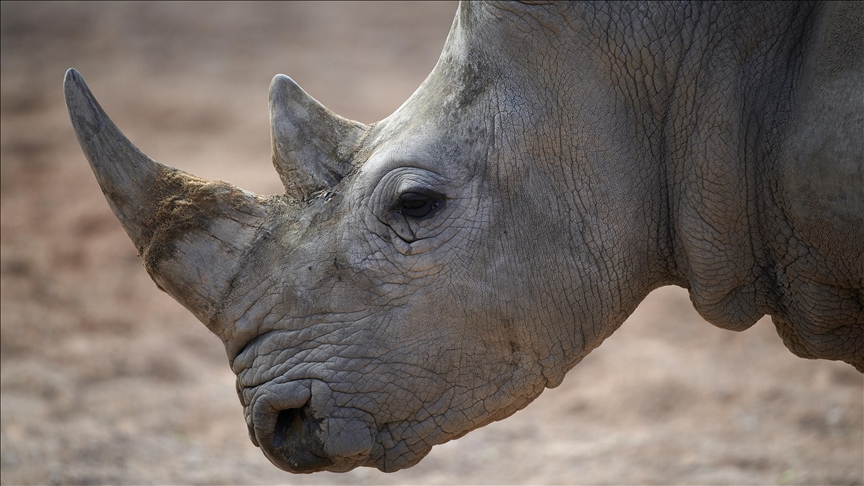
{"x":105,"y":379}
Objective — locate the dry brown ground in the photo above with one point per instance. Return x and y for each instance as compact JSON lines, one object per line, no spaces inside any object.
{"x":107,"y":380}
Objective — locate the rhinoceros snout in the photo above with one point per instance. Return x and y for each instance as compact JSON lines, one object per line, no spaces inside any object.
{"x":300,"y":433}
{"x":297,"y":441}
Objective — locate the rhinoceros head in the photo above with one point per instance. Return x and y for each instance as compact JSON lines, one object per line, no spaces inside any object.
{"x":379,"y":306}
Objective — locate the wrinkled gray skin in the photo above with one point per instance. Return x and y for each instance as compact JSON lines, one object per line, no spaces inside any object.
{"x":434,"y":272}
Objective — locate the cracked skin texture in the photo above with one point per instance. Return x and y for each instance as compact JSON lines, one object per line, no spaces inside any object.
{"x":576,"y":157}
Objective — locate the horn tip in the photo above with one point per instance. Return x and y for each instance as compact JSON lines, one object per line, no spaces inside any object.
{"x":74,"y":86}
{"x":283,"y":89}
{"x":280,"y":81}
{"x":86,"y":116}
{"x":72,"y":75}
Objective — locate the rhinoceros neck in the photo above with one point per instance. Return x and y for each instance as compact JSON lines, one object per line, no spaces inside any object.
{"x":678,"y":110}
{"x":765,"y":187}
{"x":684,"y":110}
{"x":729,"y":112}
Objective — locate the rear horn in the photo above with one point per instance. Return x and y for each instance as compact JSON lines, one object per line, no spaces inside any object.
{"x":312,"y":146}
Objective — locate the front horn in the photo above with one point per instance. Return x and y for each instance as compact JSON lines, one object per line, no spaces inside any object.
{"x":193,"y":235}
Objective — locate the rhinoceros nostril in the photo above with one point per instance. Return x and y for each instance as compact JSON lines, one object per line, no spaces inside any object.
{"x":297,"y":439}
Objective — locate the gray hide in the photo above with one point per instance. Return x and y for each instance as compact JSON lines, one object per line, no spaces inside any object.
{"x":434,"y":272}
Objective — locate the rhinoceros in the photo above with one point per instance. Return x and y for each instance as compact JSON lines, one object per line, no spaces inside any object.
{"x":434,"y":272}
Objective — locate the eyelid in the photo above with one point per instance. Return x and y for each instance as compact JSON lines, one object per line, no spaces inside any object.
{"x":426,"y":192}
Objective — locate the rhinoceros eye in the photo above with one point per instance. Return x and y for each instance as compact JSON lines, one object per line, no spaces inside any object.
{"x":417,"y":205}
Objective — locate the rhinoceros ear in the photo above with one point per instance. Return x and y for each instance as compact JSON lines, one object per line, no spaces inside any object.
{"x":312,"y":146}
